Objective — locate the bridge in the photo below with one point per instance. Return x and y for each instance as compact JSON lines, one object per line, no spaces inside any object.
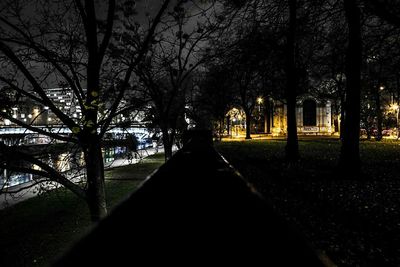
{"x":15,"y":130}
{"x":14,"y":135}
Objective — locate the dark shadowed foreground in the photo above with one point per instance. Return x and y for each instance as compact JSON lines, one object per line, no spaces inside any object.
{"x":194,"y":209}
{"x":354,"y":220}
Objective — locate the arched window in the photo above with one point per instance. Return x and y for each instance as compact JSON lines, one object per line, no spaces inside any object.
{"x":309,"y":113}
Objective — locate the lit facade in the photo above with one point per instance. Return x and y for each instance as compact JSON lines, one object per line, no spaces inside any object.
{"x":314,"y":117}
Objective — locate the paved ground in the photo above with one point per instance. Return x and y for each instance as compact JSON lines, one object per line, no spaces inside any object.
{"x":28,"y":190}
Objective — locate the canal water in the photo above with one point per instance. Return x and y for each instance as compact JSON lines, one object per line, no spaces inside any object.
{"x":64,"y":162}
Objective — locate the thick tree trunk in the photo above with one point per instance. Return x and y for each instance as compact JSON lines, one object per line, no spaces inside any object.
{"x":350,"y":155}
{"x":292,"y":146}
{"x":248,"y":124}
{"x":95,"y":179}
{"x":91,"y":141}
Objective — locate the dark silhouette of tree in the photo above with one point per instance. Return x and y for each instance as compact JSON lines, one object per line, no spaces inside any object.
{"x":177,"y":51}
{"x":292,"y":146}
{"x":66,"y":43}
{"x":387,"y":10}
{"x":350,"y":156}
{"x":213,"y":98}
{"x":327,"y":60}
{"x":245,"y":64}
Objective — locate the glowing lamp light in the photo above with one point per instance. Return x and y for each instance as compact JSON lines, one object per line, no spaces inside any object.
{"x":259,"y":100}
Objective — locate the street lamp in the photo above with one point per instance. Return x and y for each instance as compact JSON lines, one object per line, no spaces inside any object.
{"x":259,"y":101}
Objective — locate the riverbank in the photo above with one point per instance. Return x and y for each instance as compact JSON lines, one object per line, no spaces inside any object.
{"x":13,"y":195}
{"x":35,"y":231}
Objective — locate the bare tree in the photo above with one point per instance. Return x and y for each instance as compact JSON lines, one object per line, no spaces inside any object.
{"x":177,"y":52}
{"x":43,"y":43}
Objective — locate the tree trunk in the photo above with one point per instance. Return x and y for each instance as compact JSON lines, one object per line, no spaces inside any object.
{"x":350,"y":155}
{"x":397,"y":121}
{"x":267,"y":115}
{"x":228,"y":125}
{"x":167,"y":143}
{"x":292,"y":146}
{"x":95,"y":179}
{"x":378,"y":113}
{"x":368,"y":129}
{"x":342,"y":115}
{"x":221,"y":128}
{"x":248,"y":124}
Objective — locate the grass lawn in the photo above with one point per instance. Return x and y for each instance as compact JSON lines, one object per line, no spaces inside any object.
{"x":34,"y":232}
{"x":356,"y":222}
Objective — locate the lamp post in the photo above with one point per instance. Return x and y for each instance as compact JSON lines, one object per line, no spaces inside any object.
{"x":259,"y":101}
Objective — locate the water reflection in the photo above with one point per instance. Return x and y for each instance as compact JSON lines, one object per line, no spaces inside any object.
{"x":66,"y":162}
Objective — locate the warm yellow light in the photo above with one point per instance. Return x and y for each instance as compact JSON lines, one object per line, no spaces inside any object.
{"x":259,"y":100}
{"x":382,"y":87}
{"x":394,"y":107}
